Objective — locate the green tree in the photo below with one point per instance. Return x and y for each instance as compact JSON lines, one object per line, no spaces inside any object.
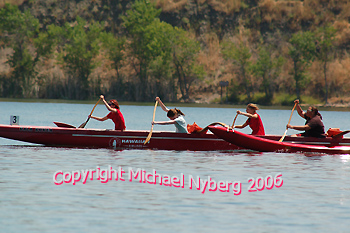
{"x":110,"y":11}
{"x":267,"y":68}
{"x":240,"y":55}
{"x":115,"y":48}
{"x":78,"y":46}
{"x":187,"y":69}
{"x":18,"y":31}
{"x":163,"y":84}
{"x":325,"y":47}
{"x":160,"y":65}
{"x":302,"y":52}
{"x":149,"y":39}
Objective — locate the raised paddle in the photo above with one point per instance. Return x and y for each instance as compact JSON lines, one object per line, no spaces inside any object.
{"x":150,"y":132}
{"x":83,"y":125}
{"x":290,"y":118}
{"x":233,"y":124}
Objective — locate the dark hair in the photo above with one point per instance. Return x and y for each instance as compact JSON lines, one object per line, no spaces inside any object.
{"x":172,"y":112}
{"x":315,"y":111}
{"x":115,"y":103}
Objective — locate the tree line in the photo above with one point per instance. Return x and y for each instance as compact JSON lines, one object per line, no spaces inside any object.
{"x":158,"y":53}
{"x":150,"y":56}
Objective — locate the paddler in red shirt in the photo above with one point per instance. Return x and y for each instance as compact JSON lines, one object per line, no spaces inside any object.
{"x":254,"y":120}
{"x":115,"y":114}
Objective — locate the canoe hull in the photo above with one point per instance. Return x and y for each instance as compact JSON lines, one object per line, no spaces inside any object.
{"x":95,"y":138}
{"x":331,"y":146}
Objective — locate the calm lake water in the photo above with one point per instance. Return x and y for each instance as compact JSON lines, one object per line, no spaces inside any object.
{"x":314,"y":195}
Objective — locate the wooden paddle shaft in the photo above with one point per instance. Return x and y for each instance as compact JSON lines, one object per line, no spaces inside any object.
{"x":95,"y":106}
{"x":93,"y":109}
{"x":290,"y":118}
{"x":150,"y":133}
{"x":154,"y":111}
{"x":233,"y":124}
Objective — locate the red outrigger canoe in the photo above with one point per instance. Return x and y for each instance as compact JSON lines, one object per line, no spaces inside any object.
{"x":98,"y":138}
{"x":67,"y":135}
{"x":328,"y":145}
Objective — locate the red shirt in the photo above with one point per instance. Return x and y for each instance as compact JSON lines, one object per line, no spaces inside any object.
{"x":256,"y":125}
{"x":118,"y":119}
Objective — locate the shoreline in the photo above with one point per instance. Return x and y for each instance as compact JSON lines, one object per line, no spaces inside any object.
{"x":322,"y":107}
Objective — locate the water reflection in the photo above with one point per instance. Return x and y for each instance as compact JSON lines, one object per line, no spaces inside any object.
{"x":345,"y":158}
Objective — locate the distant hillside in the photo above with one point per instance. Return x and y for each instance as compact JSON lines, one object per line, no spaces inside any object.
{"x":254,"y":24}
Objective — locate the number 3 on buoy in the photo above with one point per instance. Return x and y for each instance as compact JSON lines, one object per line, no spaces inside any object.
{"x":14,"y":120}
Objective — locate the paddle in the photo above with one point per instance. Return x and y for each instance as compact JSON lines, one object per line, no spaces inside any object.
{"x":233,"y":124}
{"x":290,"y":118}
{"x":150,"y":132}
{"x":83,"y":125}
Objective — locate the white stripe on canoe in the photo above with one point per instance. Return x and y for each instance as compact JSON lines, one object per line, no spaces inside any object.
{"x":318,"y":143}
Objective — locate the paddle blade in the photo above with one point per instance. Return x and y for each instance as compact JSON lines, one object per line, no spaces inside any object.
{"x":83,"y":124}
{"x":284,"y":135}
{"x":149,"y":136}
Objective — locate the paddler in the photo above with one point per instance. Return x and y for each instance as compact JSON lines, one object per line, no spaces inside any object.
{"x":115,"y":114}
{"x":176,"y":118}
{"x":313,"y":127}
{"x":254,"y":121}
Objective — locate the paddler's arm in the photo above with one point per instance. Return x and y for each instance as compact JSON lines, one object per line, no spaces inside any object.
{"x":163,"y":122}
{"x":300,"y":128}
{"x":299,"y":110}
{"x":162,"y":105}
{"x":107,"y":105}
{"x":247,"y":114}
{"x":99,"y":118}
{"x":241,"y":126}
